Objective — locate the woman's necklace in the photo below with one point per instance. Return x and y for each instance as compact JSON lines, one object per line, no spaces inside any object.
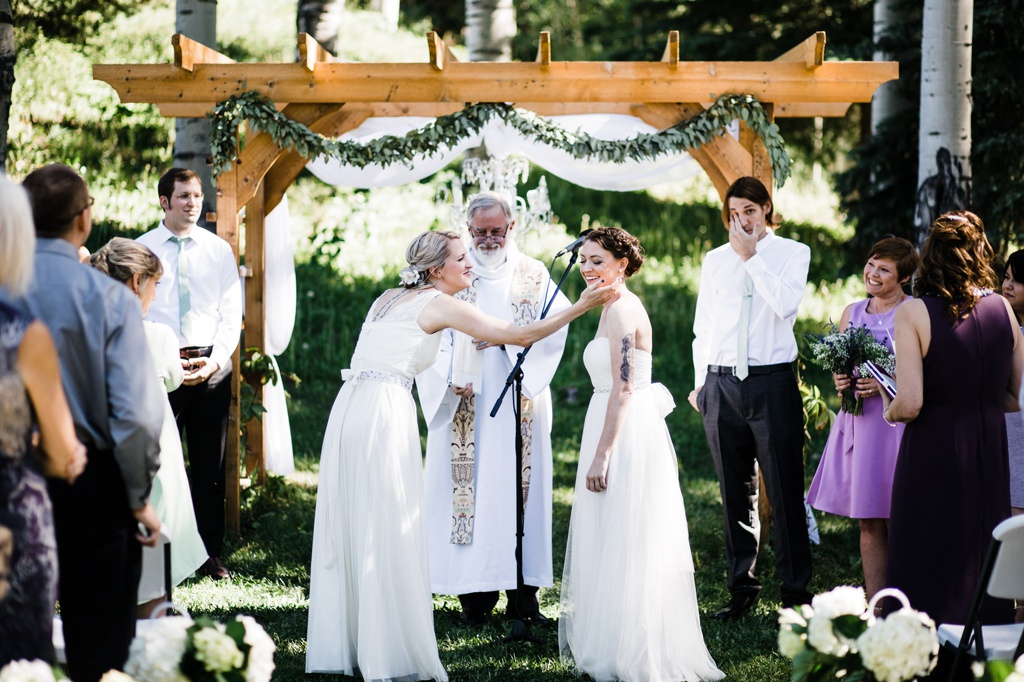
{"x":878,"y":315}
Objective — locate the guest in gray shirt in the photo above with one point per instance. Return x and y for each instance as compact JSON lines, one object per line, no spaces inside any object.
{"x":116,"y":404}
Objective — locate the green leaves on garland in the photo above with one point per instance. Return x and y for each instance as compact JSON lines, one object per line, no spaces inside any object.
{"x":447,"y":131}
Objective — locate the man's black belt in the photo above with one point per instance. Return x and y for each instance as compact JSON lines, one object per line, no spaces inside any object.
{"x":190,"y":352}
{"x":753,"y":370}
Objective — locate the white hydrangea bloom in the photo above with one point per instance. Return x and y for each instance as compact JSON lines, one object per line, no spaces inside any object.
{"x":156,"y":651}
{"x":842,"y":601}
{"x":26,"y":671}
{"x":261,"y":656}
{"x":791,"y":644}
{"x":901,"y":647}
{"x":217,"y":651}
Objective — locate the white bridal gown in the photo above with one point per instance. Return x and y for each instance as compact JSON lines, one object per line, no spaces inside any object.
{"x":629,"y":605}
{"x":370,"y":606}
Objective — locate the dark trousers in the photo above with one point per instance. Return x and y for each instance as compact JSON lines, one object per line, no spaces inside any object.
{"x":759,"y":420}
{"x":201,"y":412}
{"x":100,"y":563}
{"x":482,"y":603}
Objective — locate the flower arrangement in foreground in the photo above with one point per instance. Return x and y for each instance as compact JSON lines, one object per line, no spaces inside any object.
{"x":836,"y":634}
{"x":999,"y":671}
{"x":27,"y":671}
{"x":845,"y":352}
{"x":178,"y":649}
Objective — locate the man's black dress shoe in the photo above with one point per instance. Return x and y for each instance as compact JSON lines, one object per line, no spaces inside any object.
{"x":215,"y":568}
{"x":790,"y":601}
{"x":737,"y":606}
{"x":472,"y":619}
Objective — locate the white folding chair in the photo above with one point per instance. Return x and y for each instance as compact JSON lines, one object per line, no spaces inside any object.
{"x":1002,"y":576}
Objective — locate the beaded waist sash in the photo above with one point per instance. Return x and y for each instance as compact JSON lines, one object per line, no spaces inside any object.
{"x":377,"y":375}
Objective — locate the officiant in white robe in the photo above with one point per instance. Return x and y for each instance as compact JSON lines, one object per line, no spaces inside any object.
{"x":471,"y":459}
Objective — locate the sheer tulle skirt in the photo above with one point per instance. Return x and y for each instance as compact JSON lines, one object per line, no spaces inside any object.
{"x":370,"y":606}
{"x":629,"y":604}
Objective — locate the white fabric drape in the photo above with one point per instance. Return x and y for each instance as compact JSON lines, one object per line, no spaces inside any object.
{"x":279,"y":297}
{"x":502,"y":140}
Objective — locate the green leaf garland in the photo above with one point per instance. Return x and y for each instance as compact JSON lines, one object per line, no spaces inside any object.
{"x":447,"y":131}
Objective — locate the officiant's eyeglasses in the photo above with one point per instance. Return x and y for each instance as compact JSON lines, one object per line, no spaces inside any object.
{"x":482,"y":235}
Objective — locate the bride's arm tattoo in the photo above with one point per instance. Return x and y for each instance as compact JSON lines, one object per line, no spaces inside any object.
{"x":626,"y":370}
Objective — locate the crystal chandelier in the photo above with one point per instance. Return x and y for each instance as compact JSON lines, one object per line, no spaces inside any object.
{"x":501,"y":176}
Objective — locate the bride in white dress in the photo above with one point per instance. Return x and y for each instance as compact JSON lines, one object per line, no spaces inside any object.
{"x":629,"y":604}
{"x":370,"y":605}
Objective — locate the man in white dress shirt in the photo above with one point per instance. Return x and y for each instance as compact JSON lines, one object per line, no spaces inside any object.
{"x":200,"y":298}
{"x":747,"y":394}
{"x":471,"y":459}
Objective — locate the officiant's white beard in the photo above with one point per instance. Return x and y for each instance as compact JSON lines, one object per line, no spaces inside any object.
{"x":489,"y":258}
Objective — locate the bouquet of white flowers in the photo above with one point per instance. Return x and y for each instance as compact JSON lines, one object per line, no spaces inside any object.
{"x":994,"y":671}
{"x":845,"y":352}
{"x":837,"y":634}
{"x":178,"y":649}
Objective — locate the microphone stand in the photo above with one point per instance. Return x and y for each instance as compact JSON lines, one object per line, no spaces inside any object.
{"x":521,"y":625}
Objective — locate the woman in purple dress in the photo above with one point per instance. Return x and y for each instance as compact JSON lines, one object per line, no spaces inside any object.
{"x":30,"y":393}
{"x":959,"y":357}
{"x":854,"y":477}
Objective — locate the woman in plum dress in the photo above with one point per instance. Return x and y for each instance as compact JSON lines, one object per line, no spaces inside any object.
{"x":629,"y":601}
{"x":30,"y":395}
{"x":959,"y":357}
{"x":370,"y":604}
{"x":854,"y":477}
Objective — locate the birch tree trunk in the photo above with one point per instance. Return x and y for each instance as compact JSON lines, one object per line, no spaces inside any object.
{"x":490,"y":27}
{"x":944,"y":145}
{"x":8,"y":55}
{"x":389,"y":10}
{"x":887,"y":100}
{"x":322,"y":20}
{"x":197,"y":19}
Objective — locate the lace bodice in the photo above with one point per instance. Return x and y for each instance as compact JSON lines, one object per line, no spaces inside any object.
{"x":392,"y":341}
{"x":597,"y":358}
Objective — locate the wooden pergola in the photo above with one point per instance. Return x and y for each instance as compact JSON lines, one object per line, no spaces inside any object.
{"x":332,"y":97}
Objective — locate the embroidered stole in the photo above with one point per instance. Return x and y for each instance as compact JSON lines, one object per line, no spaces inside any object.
{"x":525,"y":297}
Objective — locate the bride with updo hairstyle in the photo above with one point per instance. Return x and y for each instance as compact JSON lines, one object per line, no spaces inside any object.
{"x":629,"y":600}
{"x":138,"y":268}
{"x":370,"y":603}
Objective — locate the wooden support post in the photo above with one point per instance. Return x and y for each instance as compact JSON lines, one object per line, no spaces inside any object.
{"x":544,"y":49}
{"x":188,"y":53}
{"x":227,"y":229}
{"x":255,"y":323}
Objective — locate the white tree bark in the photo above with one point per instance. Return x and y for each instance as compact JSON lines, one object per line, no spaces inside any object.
{"x":322,"y":20}
{"x":887,"y":100}
{"x":944,"y":145}
{"x":8,"y":55}
{"x":490,"y":27}
{"x":389,"y":10}
{"x":196,"y":19}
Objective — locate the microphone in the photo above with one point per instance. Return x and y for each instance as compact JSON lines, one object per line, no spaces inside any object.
{"x":575,"y":245}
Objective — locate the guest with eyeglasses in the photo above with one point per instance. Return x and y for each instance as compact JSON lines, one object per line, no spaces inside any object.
{"x":471,"y":524}
{"x":200,"y":298}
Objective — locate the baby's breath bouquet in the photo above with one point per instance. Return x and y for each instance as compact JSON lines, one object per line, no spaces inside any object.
{"x":178,"y":649}
{"x":845,"y":352}
{"x":837,"y":634}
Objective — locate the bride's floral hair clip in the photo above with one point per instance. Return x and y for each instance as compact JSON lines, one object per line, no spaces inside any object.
{"x":410,"y":277}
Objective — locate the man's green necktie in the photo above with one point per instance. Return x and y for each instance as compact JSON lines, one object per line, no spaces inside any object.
{"x":184,"y":300}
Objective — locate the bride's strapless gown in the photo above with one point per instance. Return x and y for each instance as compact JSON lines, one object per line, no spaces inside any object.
{"x":629,"y":604}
